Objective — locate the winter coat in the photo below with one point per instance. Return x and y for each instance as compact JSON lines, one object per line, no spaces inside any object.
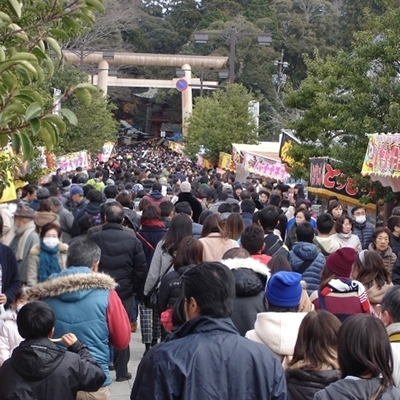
{"x":326,"y":245}
{"x":86,"y":304}
{"x":215,"y":246}
{"x":356,"y":389}
{"x":132,"y":219}
{"x":194,"y":204}
{"x":364,"y":232}
{"x":208,"y":359}
{"x":153,"y":235}
{"x":92,"y":209}
{"x":170,"y":289}
{"x":247,"y":218}
{"x":305,"y":252}
{"x":9,"y":335}
{"x":292,"y":221}
{"x":250,"y":280}
{"x":375,"y":295}
{"x":31,"y":240}
{"x":388,"y":257}
{"x":159,"y":265}
{"x":10,"y":282}
{"x":278,"y":331}
{"x":38,"y":369}
{"x":196,"y":230}
{"x":66,"y":220}
{"x":303,"y":384}
{"x":347,"y":240}
{"x":394,"y":329}
{"x":274,"y":246}
{"x":156,"y":198}
{"x":122,"y":257}
{"x":34,"y":260}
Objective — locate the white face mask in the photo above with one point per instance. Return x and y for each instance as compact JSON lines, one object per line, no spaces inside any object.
{"x":361,"y":219}
{"x":51,"y":242}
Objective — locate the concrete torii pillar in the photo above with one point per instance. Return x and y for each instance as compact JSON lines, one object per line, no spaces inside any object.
{"x":102,"y":81}
{"x":187,"y":98}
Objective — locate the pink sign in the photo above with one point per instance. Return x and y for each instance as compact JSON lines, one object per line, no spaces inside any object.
{"x":264,"y":167}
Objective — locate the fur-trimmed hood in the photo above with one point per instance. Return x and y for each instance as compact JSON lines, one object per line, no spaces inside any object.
{"x":71,"y":284}
{"x":250,"y":263}
{"x":250,"y":275}
{"x":62,"y":248}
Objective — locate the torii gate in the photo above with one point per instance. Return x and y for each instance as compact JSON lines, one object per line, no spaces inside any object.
{"x":104,"y":59}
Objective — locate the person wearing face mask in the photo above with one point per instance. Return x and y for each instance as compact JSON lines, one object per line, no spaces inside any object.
{"x":47,"y":258}
{"x":362,"y":228}
{"x":9,"y":335}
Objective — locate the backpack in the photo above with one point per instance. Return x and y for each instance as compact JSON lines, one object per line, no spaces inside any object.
{"x":96,"y":218}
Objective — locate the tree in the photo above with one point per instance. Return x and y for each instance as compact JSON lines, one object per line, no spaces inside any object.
{"x":346,"y":96}
{"x":95,"y":120}
{"x":28,"y":31}
{"x":220,"y":120}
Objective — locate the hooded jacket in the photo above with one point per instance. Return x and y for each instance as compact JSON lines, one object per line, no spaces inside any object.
{"x":250,"y":279}
{"x":208,"y":359}
{"x":278,"y":331}
{"x":307,"y":252}
{"x":326,"y":245}
{"x":86,"y":304}
{"x":303,"y":384}
{"x":92,"y":209}
{"x":9,"y":336}
{"x":39,"y":370}
{"x":357,"y":389}
{"x":155,"y":198}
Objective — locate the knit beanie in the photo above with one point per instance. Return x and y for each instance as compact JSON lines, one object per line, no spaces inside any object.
{"x":284,"y":289}
{"x":341,"y":261}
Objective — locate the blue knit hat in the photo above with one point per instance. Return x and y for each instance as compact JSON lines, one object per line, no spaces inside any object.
{"x":284,"y":289}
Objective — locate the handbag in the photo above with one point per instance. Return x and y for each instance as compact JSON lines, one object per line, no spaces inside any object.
{"x":151,"y":299}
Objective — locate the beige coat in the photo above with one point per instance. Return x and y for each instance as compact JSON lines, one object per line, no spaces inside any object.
{"x":33,"y":262}
{"x":215,"y":246}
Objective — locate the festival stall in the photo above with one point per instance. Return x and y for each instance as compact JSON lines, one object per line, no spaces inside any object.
{"x":324,"y":181}
{"x":382,"y":160}
{"x":260,"y":159}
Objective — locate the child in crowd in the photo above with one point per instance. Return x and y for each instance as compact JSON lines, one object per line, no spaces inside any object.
{"x":9,"y":336}
{"x":38,"y":369}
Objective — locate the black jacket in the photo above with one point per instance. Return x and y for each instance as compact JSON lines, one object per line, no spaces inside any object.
{"x":10,"y":282}
{"x":302,"y":385}
{"x":152,"y":235}
{"x":39,"y":370}
{"x":122,"y":257}
{"x":194,"y":203}
{"x":395,"y":246}
{"x":274,"y":246}
{"x":207,"y":359}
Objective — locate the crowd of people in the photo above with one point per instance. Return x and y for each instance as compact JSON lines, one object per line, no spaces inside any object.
{"x":240,"y":291}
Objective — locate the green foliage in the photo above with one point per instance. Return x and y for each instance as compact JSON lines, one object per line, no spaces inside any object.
{"x":346,"y":96}
{"x":220,"y":120}
{"x":94,"y":121}
{"x":27,"y":31}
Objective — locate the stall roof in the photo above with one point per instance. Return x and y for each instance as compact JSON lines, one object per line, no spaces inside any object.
{"x":269,"y":150}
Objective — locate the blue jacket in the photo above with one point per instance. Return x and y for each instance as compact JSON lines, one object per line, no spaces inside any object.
{"x":82,"y":311}
{"x":304,"y":251}
{"x":247,"y":218}
{"x":364,"y":232}
{"x":208,"y":359}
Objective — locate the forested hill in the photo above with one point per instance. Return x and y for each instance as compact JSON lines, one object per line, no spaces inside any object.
{"x":297,"y":26}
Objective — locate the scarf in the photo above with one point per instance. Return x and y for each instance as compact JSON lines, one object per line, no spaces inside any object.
{"x":24,"y":231}
{"x":346,"y":286}
{"x":44,"y":217}
{"x":153,"y":222}
{"x":48,"y":262}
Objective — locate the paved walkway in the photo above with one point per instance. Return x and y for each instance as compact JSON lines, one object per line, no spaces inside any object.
{"x":122,"y":390}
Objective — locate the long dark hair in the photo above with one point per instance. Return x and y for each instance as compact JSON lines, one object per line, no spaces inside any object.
{"x":364,"y":348}
{"x":372,"y":269}
{"x":180,"y":227}
{"x":189,"y":252}
{"x":316,"y":344}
